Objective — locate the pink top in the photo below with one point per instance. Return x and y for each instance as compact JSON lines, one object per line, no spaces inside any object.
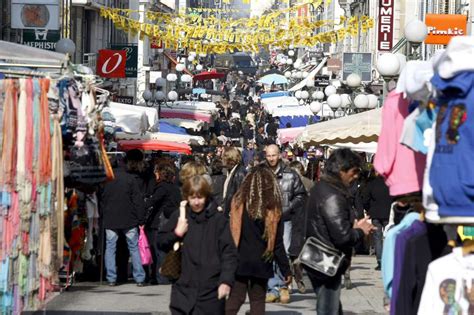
{"x":401,"y":167}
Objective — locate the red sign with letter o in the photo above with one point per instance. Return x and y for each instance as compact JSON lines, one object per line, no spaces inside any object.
{"x":111,"y":63}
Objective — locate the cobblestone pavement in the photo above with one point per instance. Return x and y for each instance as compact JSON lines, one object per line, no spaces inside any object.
{"x":90,"y":298}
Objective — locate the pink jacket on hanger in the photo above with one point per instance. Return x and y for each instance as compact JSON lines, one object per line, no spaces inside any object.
{"x":401,"y":167}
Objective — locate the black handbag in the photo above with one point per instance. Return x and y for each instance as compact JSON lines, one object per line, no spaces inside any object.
{"x":320,"y":257}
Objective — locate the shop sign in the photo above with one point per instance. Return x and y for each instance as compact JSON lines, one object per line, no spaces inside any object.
{"x":360,"y":63}
{"x":42,"y":39}
{"x":129,"y":100}
{"x":385,"y":28}
{"x":132,"y":59}
{"x":111,"y":63}
{"x":334,"y":65}
{"x":33,"y":14}
{"x":443,"y":27}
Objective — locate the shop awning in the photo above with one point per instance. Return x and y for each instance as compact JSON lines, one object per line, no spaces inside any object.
{"x":362,"y":127}
{"x":195,"y":105}
{"x":154,"y":145}
{"x":185,"y":123}
{"x":162,"y":136}
{"x":302,"y":110}
{"x":151,"y":113}
{"x":289,"y":134}
{"x":311,"y":76}
{"x":208,"y":75}
{"x":186,"y":114}
{"x":269,"y":104}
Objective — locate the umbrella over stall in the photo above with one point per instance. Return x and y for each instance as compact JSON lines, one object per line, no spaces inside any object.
{"x":273,"y":79}
{"x":208,"y":75}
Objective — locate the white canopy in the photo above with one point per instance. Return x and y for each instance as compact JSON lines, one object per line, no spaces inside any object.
{"x":196,"y":105}
{"x":161,"y":136}
{"x":311,"y":76}
{"x":23,"y":54}
{"x":130,"y":120}
{"x":363,"y":127}
{"x":269,"y":104}
{"x":119,"y":109}
{"x":185,"y":123}
{"x":302,"y":110}
{"x":369,"y":147}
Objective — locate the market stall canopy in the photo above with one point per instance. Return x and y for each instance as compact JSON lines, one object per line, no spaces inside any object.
{"x":192,"y":91}
{"x":274,"y":94}
{"x":292,"y":111}
{"x":23,"y":54}
{"x":311,"y":76}
{"x":273,"y":79}
{"x":195,"y":105}
{"x":130,"y":120}
{"x":169,"y":128}
{"x":368,"y":147}
{"x":186,"y":114}
{"x":362,"y":127}
{"x":162,"y":136}
{"x":289,"y":134}
{"x":150,"y":112}
{"x":154,"y":145}
{"x":269,"y":104}
{"x":185,"y":123}
{"x":208,"y":75}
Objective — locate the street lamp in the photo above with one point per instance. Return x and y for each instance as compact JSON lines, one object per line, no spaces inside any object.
{"x":66,"y":46}
{"x":172,"y":96}
{"x":318,"y":95}
{"x":199,"y":67}
{"x":415,"y":33}
{"x":373,"y":101}
{"x":388,"y":65}
{"x":288,"y":74}
{"x":330,"y":90}
{"x":304,"y":95}
{"x":147,"y":96}
{"x":353,"y":80}
{"x":361,"y":102}
{"x":180,"y":67}
{"x":334,"y":101}
{"x":315,"y":107}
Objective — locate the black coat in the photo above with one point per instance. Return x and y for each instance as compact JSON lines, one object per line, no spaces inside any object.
{"x":209,"y":259}
{"x":330,"y":218}
{"x":234,"y":185}
{"x":121,"y":202}
{"x":376,"y":199}
{"x":161,"y":205}
{"x":292,"y":190}
{"x":218,"y":181}
{"x":251,"y":249}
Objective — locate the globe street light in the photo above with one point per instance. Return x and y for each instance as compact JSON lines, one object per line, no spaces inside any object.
{"x":288,"y":74}
{"x":66,"y":46}
{"x":199,"y":67}
{"x":315,"y":107}
{"x":330,"y":90}
{"x":172,"y":96}
{"x":304,"y":95}
{"x":388,"y":65}
{"x":147,"y":96}
{"x":415,"y":33}
{"x":353,"y":80}
{"x":373,"y":101}
{"x":180,"y":67}
{"x":318,"y":95}
{"x":334,"y":101}
{"x":361,"y":101}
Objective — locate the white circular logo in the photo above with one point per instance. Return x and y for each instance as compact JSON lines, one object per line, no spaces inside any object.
{"x":117,"y":64}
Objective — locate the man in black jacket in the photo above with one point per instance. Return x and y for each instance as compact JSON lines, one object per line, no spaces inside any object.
{"x":330,"y":220}
{"x":123,"y":211}
{"x":294,"y":196}
{"x":377,"y":201}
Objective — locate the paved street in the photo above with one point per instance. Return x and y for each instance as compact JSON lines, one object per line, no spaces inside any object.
{"x":90,"y":298}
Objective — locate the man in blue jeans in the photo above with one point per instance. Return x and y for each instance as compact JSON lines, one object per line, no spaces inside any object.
{"x":123,"y":210}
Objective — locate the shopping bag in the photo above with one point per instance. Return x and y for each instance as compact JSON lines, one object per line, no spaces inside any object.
{"x":171,"y":266}
{"x":144,"y":248}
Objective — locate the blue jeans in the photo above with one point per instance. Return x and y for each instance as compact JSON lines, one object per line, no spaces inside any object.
{"x":378,"y":237}
{"x":111,"y":247}
{"x":328,"y":294}
{"x":278,"y":281}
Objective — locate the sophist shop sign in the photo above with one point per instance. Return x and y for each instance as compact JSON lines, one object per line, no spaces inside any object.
{"x":385,"y":26}
{"x":443,"y":27}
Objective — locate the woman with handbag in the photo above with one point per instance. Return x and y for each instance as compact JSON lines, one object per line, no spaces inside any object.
{"x":208,"y":255}
{"x":329,"y":222}
{"x":257,"y":230}
{"x":160,"y":206}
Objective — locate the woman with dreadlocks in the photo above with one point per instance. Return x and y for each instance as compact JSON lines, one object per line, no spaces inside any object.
{"x":258,"y":234}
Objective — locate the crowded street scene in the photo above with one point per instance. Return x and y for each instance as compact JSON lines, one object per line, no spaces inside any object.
{"x":236,"y":157}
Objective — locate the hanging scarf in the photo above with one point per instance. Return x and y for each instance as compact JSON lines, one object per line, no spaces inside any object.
{"x":9,"y":137}
{"x":271,"y":220}
{"x":58,"y":178}
{"x":21,"y":137}
{"x":45,"y":135}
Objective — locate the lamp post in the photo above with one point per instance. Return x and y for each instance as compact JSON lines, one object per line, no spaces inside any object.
{"x":334,"y":101}
{"x":415,"y":33}
{"x":388,"y":65}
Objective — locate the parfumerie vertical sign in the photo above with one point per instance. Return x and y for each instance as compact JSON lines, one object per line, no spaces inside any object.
{"x":386,"y":16}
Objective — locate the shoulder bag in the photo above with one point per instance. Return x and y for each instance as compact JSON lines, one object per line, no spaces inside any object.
{"x":320,"y":257}
{"x":171,"y":266}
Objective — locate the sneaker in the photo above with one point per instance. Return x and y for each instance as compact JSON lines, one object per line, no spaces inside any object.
{"x":271,"y":298}
{"x":112,"y":284}
{"x":140,"y":284}
{"x":379,"y":267}
{"x":284,"y":296}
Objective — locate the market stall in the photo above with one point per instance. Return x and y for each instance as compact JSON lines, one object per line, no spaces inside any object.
{"x":154,"y":145}
{"x":358,"y":128}
{"x":162,"y":136}
{"x":134,"y":118}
